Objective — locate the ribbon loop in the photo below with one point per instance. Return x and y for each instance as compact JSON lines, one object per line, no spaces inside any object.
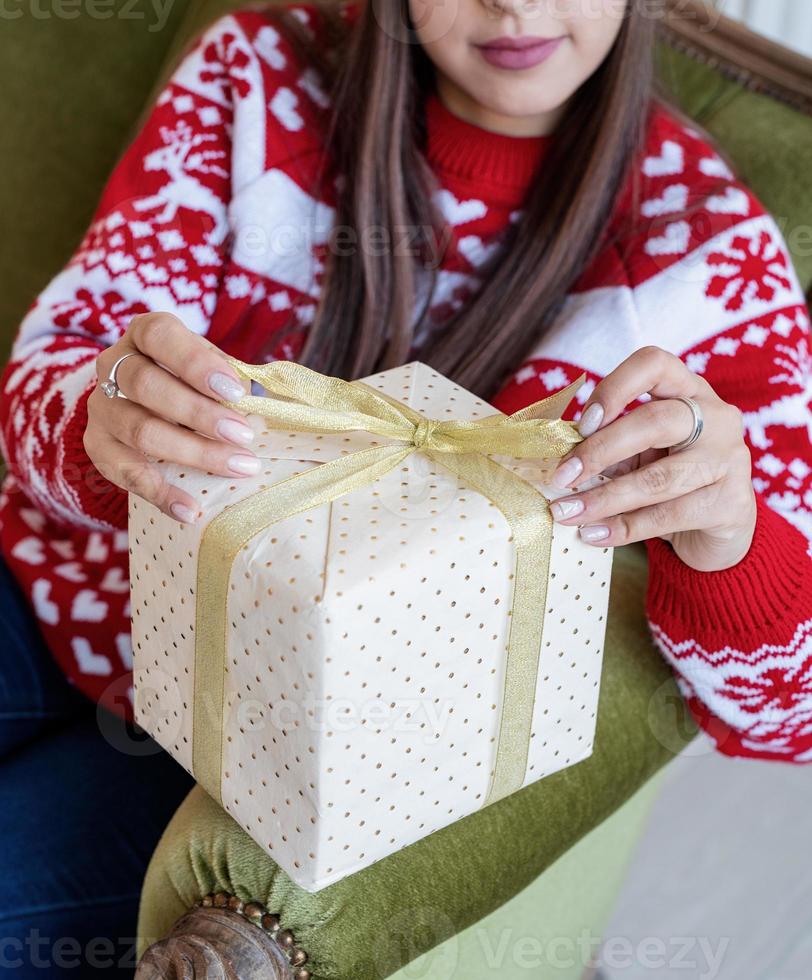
{"x":306,"y":401}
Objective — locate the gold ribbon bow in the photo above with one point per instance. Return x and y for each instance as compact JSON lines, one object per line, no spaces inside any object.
{"x":306,"y":401}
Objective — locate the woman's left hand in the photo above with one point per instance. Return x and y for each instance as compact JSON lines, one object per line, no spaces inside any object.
{"x":701,"y":499}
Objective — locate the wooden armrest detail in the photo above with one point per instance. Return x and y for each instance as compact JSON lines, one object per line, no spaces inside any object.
{"x":226,"y":938}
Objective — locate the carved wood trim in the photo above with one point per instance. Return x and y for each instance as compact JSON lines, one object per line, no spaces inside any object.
{"x":224,"y":938}
{"x":697,"y":29}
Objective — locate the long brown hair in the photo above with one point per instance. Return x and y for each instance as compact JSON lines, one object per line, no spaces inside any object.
{"x":378,"y":76}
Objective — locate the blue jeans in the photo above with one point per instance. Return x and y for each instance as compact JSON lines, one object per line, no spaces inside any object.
{"x":84,"y":798}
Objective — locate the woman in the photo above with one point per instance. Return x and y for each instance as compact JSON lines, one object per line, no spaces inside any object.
{"x":488,"y":186}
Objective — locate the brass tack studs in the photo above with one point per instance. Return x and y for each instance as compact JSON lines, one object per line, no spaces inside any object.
{"x":268,"y":922}
{"x":253,"y":911}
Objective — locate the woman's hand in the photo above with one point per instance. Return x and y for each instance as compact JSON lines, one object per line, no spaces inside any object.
{"x":701,"y":499}
{"x":170,"y":412}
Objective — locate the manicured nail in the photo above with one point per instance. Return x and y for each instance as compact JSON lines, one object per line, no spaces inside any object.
{"x":562,"y":510}
{"x":567,"y":473}
{"x":226,"y":387}
{"x":183,"y":513}
{"x":594,"y":532}
{"x":591,"y":420}
{"x":236,"y":432}
{"x":244,"y":465}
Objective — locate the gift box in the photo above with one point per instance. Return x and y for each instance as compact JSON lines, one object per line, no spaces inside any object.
{"x":380,"y":633}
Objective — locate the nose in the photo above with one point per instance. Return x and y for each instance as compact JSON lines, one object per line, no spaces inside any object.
{"x":516,"y":8}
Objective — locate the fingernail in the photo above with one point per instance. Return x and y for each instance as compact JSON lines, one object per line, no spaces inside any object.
{"x":234,"y":431}
{"x":567,"y":473}
{"x":226,"y":387}
{"x":591,"y":420}
{"x":594,"y":532}
{"x":183,"y":513}
{"x":244,"y":465}
{"x":562,"y":510}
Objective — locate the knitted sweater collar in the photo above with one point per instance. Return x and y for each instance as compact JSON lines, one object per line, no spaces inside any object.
{"x":499,"y":166}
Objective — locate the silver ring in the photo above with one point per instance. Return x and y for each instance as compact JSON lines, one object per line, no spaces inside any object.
{"x":110,"y":385}
{"x":699,"y":424}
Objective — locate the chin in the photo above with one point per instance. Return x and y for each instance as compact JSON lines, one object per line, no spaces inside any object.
{"x":518,"y":101}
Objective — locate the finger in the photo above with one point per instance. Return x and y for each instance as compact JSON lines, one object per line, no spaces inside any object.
{"x":654,"y":425}
{"x":152,"y":435}
{"x":143,"y":381}
{"x":694,"y":511}
{"x":129,"y":470}
{"x":649,"y":370}
{"x":632,"y":463}
{"x":656,"y":482}
{"x":166,"y":339}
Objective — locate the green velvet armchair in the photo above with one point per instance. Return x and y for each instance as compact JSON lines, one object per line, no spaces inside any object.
{"x":526,"y":886}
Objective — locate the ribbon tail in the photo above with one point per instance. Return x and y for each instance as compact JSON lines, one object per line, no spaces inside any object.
{"x":220,"y":543}
{"x":552,"y":407}
{"x":529,"y":519}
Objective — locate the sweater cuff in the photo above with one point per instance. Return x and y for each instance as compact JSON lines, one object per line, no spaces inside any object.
{"x":94,"y":495}
{"x":756,"y":601}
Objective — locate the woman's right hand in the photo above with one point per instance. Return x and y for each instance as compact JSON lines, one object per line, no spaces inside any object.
{"x":170,"y":412}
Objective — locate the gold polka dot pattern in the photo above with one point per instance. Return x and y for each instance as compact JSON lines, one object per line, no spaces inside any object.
{"x":366,"y":647}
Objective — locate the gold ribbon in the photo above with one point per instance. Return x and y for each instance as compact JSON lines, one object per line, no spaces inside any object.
{"x":305,"y":401}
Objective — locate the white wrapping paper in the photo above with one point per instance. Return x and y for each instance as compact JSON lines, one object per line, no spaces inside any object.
{"x":366,"y":649}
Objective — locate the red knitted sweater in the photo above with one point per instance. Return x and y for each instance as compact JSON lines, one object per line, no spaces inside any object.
{"x":211,"y":215}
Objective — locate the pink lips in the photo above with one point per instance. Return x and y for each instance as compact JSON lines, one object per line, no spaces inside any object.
{"x":519,"y":52}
